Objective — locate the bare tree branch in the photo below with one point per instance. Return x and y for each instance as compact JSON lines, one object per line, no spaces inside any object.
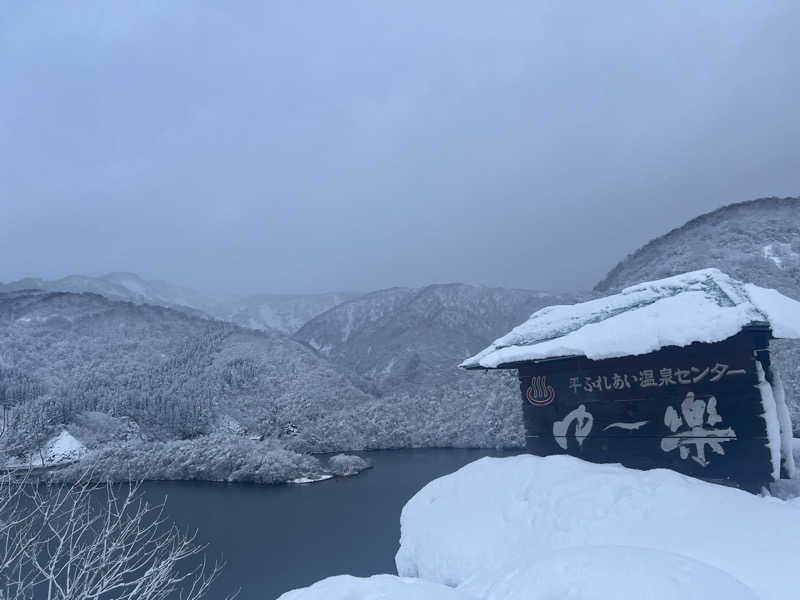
{"x":83,"y":541}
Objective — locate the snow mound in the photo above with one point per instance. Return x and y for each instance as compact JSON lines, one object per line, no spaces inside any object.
{"x":494,"y":517}
{"x":700,"y":306}
{"x":63,"y":448}
{"x":60,"y":450}
{"x":377,"y":587}
{"x":606,"y":572}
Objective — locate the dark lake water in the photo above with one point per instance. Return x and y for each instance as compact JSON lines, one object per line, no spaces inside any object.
{"x":276,"y":538}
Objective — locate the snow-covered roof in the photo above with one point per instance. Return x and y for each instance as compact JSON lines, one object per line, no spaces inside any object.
{"x":699,"y":306}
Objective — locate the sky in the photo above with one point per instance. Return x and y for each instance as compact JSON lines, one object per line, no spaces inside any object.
{"x":300,"y":147}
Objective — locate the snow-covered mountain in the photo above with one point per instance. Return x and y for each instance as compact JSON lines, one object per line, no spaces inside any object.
{"x":756,"y":241}
{"x":90,"y":365}
{"x":284,"y":312}
{"x":408,"y":343}
{"x":176,"y":375}
{"x":412,"y":339}
{"x":127,"y":287}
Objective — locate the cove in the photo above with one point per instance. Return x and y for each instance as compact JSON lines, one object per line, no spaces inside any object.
{"x":280,"y":537}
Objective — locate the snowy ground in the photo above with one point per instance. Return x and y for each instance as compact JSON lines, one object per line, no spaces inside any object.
{"x":377,"y":587}
{"x":528,"y":528}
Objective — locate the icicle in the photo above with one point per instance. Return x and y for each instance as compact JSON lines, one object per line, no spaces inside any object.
{"x":770,"y":415}
{"x":785,"y":421}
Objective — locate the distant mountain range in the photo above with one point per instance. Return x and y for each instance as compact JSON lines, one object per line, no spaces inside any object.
{"x":110,"y":371}
{"x":284,"y":312}
{"x":127,"y":287}
{"x":175,"y":375}
{"x":329,"y":371}
{"x":409,"y":340}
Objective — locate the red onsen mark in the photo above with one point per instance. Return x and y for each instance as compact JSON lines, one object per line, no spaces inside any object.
{"x":540,"y":393}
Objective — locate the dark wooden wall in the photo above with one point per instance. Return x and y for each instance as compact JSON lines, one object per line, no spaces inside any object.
{"x":614,"y":411}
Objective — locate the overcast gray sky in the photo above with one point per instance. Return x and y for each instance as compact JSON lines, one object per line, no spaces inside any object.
{"x":316,"y":146}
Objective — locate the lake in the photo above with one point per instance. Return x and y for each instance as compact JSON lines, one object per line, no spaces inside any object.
{"x":276,"y":538}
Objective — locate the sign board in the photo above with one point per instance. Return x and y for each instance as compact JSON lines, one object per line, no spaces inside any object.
{"x":696,"y":410}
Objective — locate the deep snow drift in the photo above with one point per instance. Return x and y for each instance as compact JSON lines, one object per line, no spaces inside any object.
{"x":377,"y":587}
{"x":609,"y":572}
{"x":496,"y":525}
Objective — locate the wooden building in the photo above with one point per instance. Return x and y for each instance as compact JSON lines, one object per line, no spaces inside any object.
{"x":673,"y":373}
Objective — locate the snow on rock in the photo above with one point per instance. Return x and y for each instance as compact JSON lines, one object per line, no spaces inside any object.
{"x":63,"y":448}
{"x":780,"y":253}
{"x":59,"y":450}
{"x":700,"y":306}
{"x":609,"y":572}
{"x":310,"y":479}
{"x":496,"y":516}
{"x":377,"y":587}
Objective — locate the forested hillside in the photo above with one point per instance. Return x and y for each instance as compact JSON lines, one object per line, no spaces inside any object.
{"x":284,"y":312}
{"x":756,"y":241}
{"x":373,"y":371}
{"x":112,"y":372}
{"x":413,"y":339}
{"x":408,"y":343}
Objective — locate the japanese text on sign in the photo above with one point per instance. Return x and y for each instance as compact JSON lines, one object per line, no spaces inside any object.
{"x":650,"y":378}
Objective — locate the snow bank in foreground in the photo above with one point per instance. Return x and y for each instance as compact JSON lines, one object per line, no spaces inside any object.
{"x":593,"y":573}
{"x":483,"y":524}
{"x":610,"y":572}
{"x":377,"y":587}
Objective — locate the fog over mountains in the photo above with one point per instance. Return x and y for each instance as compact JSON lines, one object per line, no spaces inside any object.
{"x":284,"y":312}
{"x":406,"y":339}
{"x":118,"y":360}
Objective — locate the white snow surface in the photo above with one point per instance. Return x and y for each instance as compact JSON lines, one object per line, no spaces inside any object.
{"x":779,"y":253}
{"x":377,"y":587}
{"x":699,"y":306}
{"x":609,"y":572}
{"x":310,"y":479}
{"x":479,"y":529}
